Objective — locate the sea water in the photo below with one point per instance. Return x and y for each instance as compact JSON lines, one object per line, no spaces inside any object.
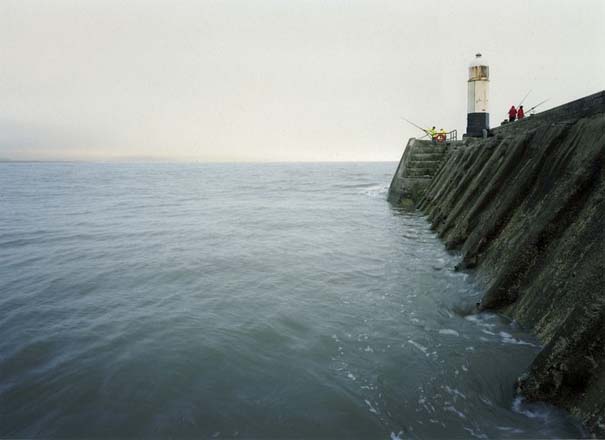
{"x":243,"y":301}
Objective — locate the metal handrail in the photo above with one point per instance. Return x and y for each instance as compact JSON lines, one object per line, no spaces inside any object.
{"x":452,"y":136}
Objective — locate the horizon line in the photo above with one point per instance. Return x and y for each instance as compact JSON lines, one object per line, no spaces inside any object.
{"x":191,"y":161}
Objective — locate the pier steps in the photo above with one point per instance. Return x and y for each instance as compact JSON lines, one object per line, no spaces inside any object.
{"x":420,"y":162}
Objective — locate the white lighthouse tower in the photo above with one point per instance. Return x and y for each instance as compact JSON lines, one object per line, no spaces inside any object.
{"x":478,"y":97}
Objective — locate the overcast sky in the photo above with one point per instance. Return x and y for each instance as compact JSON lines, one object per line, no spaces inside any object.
{"x":275,"y":80}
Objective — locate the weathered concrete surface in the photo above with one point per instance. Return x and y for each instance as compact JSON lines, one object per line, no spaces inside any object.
{"x":420,"y":162}
{"x":527,"y":210}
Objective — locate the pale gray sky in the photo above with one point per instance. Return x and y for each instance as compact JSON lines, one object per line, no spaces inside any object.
{"x":274,"y":80}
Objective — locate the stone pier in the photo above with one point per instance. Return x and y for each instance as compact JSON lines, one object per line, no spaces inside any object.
{"x":526,"y":210}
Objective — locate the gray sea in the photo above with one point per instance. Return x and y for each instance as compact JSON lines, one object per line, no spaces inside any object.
{"x":243,"y":301}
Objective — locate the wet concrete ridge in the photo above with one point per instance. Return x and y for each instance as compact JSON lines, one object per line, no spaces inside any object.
{"x":527,"y":210}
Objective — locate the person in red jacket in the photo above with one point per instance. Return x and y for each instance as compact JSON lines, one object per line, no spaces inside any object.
{"x":512,"y":114}
{"x":520,"y":113}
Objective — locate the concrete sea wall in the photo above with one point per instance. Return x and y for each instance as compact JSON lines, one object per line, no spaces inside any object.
{"x":526,"y":208}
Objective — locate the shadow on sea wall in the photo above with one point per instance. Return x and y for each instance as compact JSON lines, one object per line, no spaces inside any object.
{"x":526,"y":209}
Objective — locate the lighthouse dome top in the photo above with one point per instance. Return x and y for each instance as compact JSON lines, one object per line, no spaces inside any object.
{"x":479,"y":60}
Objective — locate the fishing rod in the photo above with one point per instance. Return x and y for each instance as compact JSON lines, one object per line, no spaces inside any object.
{"x":524,"y":98}
{"x":426,"y":133}
{"x":537,"y":105}
{"x":415,"y":125}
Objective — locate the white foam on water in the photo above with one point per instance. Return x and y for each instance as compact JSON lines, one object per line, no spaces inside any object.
{"x":419,"y":347}
{"x":448,"y":331}
{"x":426,"y":405}
{"x":452,"y":409}
{"x":371,"y":408}
{"x":533,"y":411}
{"x":510,"y":429}
{"x":481,"y":320}
{"x":454,"y":392}
{"x":351,"y":376}
{"x":475,"y":434}
{"x":486,"y":401}
{"x":437,"y":422}
{"x":397,"y":436}
{"x":509,"y":339}
{"x":376,"y":191}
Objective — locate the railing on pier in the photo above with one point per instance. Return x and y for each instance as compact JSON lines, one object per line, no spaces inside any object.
{"x":451,"y":136}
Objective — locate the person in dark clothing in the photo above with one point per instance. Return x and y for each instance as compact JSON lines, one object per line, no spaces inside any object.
{"x":520,"y":113}
{"x":512,"y":113}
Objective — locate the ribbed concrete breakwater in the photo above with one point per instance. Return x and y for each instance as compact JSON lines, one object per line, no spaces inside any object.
{"x":526,"y":209}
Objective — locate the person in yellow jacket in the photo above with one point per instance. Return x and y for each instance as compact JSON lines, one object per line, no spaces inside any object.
{"x":432,"y":132}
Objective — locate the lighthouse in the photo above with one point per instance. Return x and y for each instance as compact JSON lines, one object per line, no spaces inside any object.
{"x":478,"y":97}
